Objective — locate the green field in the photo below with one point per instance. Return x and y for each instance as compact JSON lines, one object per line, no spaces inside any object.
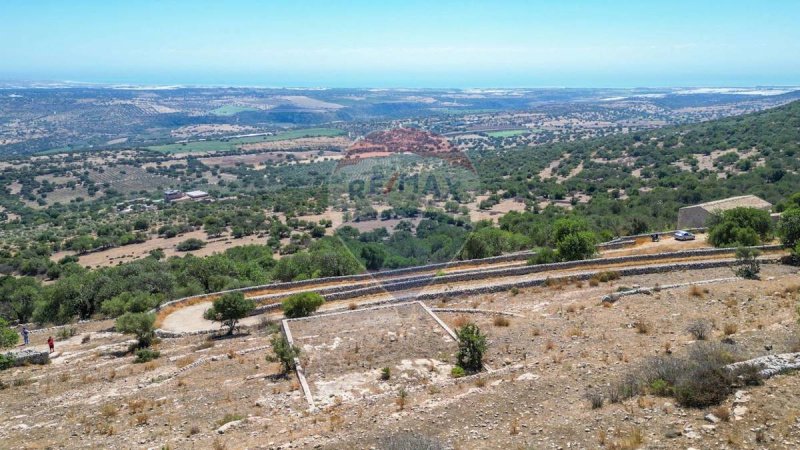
{"x":221,"y":145}
{"x":507,"y":133}
{"x":230,"y":110}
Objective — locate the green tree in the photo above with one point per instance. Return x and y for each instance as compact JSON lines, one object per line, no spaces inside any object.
{"x":284,"y":353}
{"x":471,"y":347}
{"x":789,"y":227}
{"x":190,"y":244}
{"x":374,"y":254}
{"x":229,"y":309}
{"x":302,"y":304}
{"x":138,"y":324}
{"x":739,"y":227}
{"x":8,"y":337}
{"x":575,"y":246}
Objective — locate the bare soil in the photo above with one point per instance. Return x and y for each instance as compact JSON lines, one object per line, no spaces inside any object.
{"x":567,"y":344}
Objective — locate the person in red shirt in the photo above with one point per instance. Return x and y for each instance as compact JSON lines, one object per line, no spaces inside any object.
{"x":52,"y":344}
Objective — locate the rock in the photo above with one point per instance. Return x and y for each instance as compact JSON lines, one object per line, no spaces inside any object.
{"x":672,"y":434}
{"x":527,"y":377}
{"x":709,"y":427}
{"x":229,"y":425}
{"x":711,"y":418}
{"x":741,"y":397}
{"x":739,"y":412}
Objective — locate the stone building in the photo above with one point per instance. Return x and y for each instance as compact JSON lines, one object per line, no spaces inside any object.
{"x":695,"y":216}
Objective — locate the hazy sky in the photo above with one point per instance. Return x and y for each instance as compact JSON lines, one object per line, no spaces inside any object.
{"x":409,"y":43}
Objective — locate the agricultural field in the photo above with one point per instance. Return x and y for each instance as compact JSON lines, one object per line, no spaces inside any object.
{"x":225,"y":145}
{"x":230,"y":110}
{"x":507,"y":133}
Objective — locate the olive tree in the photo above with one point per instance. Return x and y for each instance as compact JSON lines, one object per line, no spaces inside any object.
{"x":229,"y":309}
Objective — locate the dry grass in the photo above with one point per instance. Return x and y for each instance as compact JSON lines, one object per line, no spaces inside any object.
{"x":722,"y":412}
{"x":575,"y":331}
{"x":642,"y":326}
{"x":571,"y":308}
{"x":730,"y":328}
{"x":514,"y":427}
{"x":631,"y":440}
{"x":460,"y":321}
{"x":185,"y":361}
{"x":500,"y":321}
{"x":549,"y":345}
{"x":108,"y":410}
{"x":696,"y":291}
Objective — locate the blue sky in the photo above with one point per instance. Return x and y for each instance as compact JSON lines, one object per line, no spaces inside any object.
{"x":406,"y":43}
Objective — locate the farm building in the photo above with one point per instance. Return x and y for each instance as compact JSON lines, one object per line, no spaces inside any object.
{"x":197,"y":195}
{"x":695,"y":216}
{"x":172,"y":194}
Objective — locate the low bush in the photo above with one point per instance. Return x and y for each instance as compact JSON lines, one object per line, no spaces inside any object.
{"x":66,"y":333}
{"x":699,"y":329}
{"x":7,"y":361}
{"x":190,"y":245}
{"x":747,"y":265}
{"x":144,"y":355}
{"x":386,"y":373}
{"x":457,"y":372}
{"x":302,"y":304}
{"x":698,"y":380}
{"x":596,"y":399}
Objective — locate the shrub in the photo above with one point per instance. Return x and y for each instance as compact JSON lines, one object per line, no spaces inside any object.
{"x":457,"y":372}
{"x":8,"y":337}
{"x":284,"y":353}
{"x":577,"y":246}
{"x":789,"y":228}
{"x":138,"y":324}
{"x":660,"y":387}
{"x":699,"y":329}
{"x":229,"y":309}
{"x":739,"y":227}
{"x":228,"y":417}
{"x":7,"y":361}
{"x":605,"y":277}
{"x":730,"y":328}
{"x":66,"y":333}
{"x":471,"y":346}
{"x":596,"y":399}
{"x":747,"y":265}
{"x":386,"y":373}
{"x":544,"y":255}
{"x":302,"y":304}
{"x":144,"y":355}
{"x":190,"y":244}
{"x":698,"y":380}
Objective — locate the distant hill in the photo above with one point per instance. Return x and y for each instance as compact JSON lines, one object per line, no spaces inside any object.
{"x":658,"y":171}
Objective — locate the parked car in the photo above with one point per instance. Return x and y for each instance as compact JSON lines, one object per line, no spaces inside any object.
{"x":681,"y":235}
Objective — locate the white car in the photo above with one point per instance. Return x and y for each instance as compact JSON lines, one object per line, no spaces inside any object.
{"x":681,"y":235}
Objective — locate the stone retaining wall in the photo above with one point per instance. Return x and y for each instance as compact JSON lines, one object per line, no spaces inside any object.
{"x":377,"y":276}
{"x":419,"y":282}
{"x":29,"y":356}
{"x":771,"y":365}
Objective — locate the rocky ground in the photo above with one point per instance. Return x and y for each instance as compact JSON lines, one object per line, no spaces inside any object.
{"x":223,"y":393}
